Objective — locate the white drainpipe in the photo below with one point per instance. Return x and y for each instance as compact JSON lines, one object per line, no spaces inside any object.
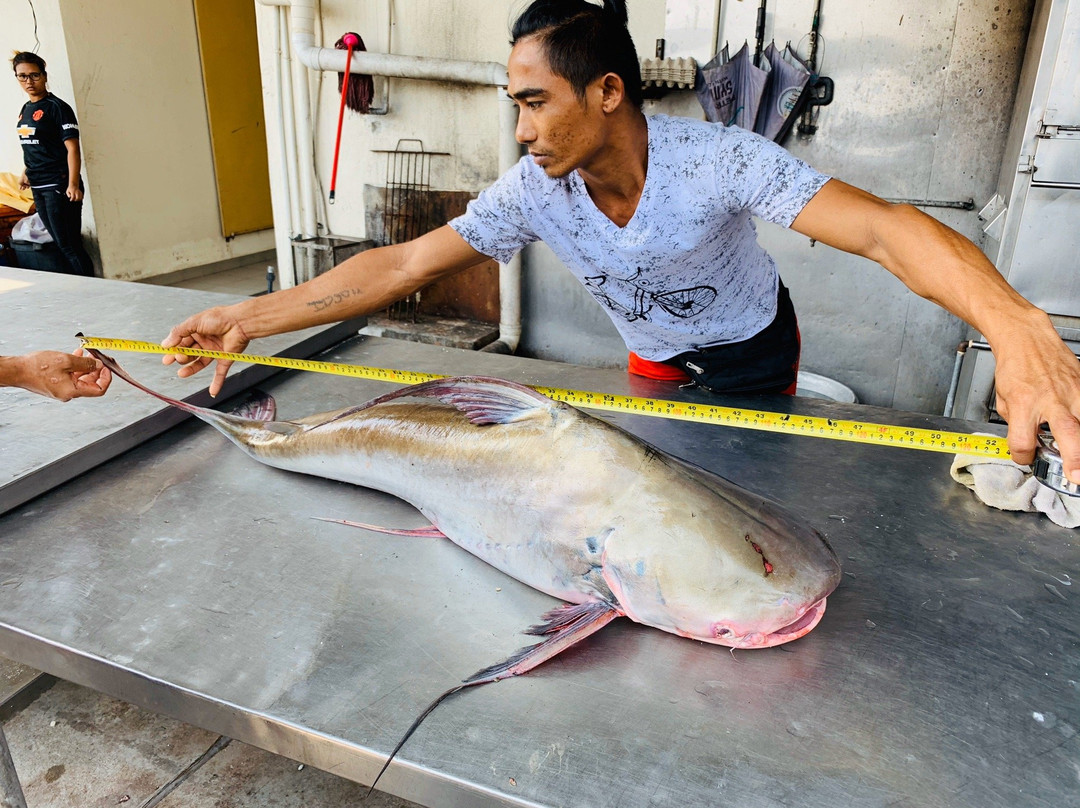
{"x":392,"y":65}
{"x":509,"y":273}
{"x":288,"y":211}
{"x":305,"y":158}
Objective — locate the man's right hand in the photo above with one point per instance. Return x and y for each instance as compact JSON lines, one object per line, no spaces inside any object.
{"x":215,"y":329}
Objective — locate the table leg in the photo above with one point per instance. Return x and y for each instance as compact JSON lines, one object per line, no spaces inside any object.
{"x":11,"y":795}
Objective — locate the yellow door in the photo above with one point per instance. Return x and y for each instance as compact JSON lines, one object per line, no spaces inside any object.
{"x":228,"y":47}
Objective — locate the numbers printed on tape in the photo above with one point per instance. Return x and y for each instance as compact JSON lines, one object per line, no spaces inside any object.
{"x":311,"y":365}
{"x":854,"y":431}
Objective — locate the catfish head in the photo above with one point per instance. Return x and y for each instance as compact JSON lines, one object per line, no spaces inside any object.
{"x":722,"y":565}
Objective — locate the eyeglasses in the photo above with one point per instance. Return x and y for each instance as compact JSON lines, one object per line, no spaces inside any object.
{"x":28,"y":76}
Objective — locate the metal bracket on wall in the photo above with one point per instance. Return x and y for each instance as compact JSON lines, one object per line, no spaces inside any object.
{"x":993,"y":213}
{"x":966,"y":204}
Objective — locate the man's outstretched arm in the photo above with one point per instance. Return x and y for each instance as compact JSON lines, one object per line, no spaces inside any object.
{"x":367,"y":282}
{"x":1037,"y":376}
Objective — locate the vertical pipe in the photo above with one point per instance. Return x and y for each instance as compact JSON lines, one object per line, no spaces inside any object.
{"x":950,"y":399}
{"x":11,"y":794}
{"x":283,"y":208}
{"x":305,"y":158}
{"x":510,"y":272}
{"x":290,"y":144}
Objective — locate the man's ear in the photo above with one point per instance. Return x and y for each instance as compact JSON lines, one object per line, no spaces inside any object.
{"x":613,"y":91}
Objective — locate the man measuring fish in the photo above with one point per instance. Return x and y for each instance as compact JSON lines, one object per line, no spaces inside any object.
{"x":653,"y":216}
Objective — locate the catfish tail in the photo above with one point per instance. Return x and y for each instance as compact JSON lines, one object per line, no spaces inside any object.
{"x":258,"y":410}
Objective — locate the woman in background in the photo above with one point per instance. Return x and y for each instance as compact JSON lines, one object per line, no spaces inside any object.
{"x":49,"y":135}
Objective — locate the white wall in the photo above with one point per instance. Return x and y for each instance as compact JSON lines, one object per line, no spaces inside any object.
{"x":924,"y":92}
{"x":457,"y":119}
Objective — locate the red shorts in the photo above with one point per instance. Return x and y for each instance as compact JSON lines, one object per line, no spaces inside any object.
{"x":670,"y":373}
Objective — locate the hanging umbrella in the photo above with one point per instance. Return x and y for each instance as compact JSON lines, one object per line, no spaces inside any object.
{"x":703,"y":92}
{"x":730,"y":90}
{"x":788,"y":78}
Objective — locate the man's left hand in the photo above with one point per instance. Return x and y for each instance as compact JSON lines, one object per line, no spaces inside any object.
{"x":1038,"y":381}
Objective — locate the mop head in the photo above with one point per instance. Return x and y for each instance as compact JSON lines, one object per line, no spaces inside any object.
{"x":361,"y":87}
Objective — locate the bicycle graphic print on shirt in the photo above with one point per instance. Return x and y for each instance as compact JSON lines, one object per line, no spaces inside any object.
{"x":682,"y":303}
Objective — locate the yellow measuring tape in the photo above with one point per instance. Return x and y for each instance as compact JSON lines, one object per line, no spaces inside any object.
{"x":931,"y":440}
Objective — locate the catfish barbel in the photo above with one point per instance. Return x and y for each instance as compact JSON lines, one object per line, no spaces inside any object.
{"x":567,"y":504}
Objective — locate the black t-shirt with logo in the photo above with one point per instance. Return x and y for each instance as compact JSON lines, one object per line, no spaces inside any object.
{"x":43,"y":127}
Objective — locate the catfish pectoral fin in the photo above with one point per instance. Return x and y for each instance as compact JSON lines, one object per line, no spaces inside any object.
{"x":430,"y":531}
{"x":567,"y":625}
{"x":570,"y":615}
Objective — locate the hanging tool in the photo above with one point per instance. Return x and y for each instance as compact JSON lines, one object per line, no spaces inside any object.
{"x":356,"y":94}
{"x":759,"y":36}
{"x":350,"y":41}
{"x":806,"y":126}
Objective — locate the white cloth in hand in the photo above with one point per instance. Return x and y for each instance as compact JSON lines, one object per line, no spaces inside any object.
{"x":1008,"y":486}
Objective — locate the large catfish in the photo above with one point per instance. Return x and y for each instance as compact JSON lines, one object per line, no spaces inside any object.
{"x":567,"y":504}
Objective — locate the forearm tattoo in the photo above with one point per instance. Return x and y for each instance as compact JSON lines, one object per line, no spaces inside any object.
{"x":324,"y":303}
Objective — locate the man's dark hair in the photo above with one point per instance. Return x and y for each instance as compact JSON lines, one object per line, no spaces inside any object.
{"x":26,"y":57}
{"x":583,"y":41}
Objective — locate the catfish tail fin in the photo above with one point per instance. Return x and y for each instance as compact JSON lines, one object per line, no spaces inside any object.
{"x":258,"y":410}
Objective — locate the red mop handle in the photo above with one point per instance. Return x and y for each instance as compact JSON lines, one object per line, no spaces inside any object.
{"x":350,"y":42}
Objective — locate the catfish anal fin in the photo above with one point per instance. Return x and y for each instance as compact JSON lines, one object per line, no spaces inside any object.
{"x":566,"y":625}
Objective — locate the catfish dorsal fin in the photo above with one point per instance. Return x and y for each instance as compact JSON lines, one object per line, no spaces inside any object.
{"x":483,"y":399}
{"x":261,"y":407}
{"x":258,"y":406}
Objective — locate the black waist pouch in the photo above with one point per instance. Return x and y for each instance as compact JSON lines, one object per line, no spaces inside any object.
{"x":767,"y":362}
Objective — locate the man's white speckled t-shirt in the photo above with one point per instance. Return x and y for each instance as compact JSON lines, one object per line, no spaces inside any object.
{"x":686,"y":270}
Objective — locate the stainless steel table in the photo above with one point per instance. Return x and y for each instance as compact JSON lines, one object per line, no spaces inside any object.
{"x":44,"y":443}
{"x":188,"y":579}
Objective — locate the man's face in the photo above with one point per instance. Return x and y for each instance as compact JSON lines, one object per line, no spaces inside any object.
{"x":562,"y":132}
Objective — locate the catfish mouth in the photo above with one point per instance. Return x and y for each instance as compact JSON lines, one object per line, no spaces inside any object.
{"x":811,"y":617}
{"x":799,"y":628}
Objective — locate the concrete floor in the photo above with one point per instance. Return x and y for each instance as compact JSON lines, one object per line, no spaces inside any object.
{"x":244,"y":280}
{"x":75,"y":747}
